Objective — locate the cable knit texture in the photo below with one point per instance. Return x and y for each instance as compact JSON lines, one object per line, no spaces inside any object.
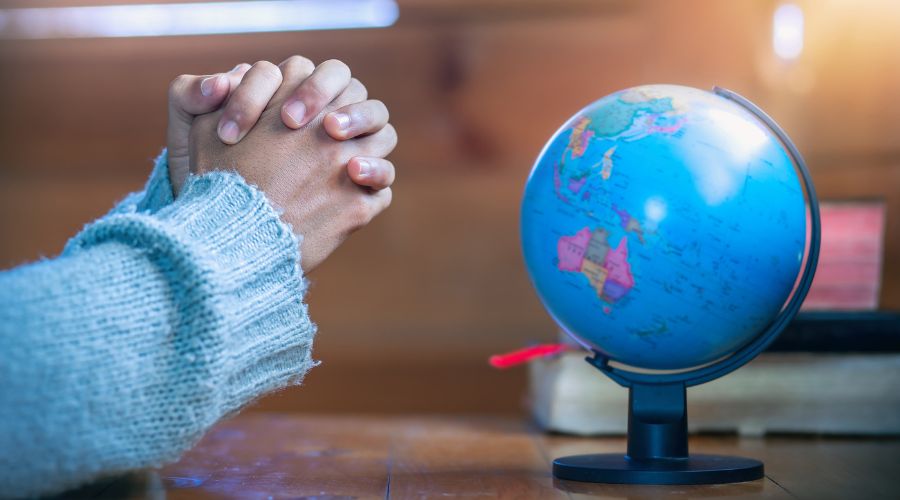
{"x":156,"y":321}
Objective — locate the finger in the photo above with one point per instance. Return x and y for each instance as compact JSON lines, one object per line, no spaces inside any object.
{"x":325,"y":83}
{"x":195,"y":95}
{"x":379,"y":201}
{"x":366,"y":208}
{"x":189,"y":96}
{"x":377,"y":145}
{"x":374,"y":173}
{"x":357,"y":119}
{"x":236,"y":75}
{"x":294,"y":70}
{"x":354,"y":93}
{"x":248,"y":101}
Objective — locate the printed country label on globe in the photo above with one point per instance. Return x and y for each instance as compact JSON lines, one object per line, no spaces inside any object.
{"x":663,"y":226}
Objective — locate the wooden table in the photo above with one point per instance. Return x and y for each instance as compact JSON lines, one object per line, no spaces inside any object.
{"x":341,"y":457}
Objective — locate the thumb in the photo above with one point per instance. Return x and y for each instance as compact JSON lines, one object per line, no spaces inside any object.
{"x":189,"y":96}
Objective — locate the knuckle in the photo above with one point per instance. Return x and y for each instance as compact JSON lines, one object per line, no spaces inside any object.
{"x":389,"y":135}
{"x":238,"y":110}
{"x":357,"y":90}
{"x":360,"y":212}
{"x":267,"y":70}
{"x":177,"y":85}
{"x":297,"y":65}
{"x":380,"y":109}
{"x":312,"y":92}
{"x":336,"y":65}
{"x":390,"y":173}
{"x":388,"y":197}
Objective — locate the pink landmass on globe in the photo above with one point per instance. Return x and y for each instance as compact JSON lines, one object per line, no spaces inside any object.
{"x":618,"y":266}
{"x":623,"y":214}
{"x":557,"y":184}
{"x":576,"y":185}
{"x":652,"y":128}
{"x":630,"y":224}
{"x":571,"y":249}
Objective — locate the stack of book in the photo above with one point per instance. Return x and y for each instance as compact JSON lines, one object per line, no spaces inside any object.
{"x":777,"y":392}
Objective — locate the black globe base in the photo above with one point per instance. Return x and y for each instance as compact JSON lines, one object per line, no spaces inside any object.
{"x":619,"y":469}
{"x":657,"y":447}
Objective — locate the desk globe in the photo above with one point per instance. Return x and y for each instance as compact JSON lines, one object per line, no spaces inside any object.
{"x":665,"y":230}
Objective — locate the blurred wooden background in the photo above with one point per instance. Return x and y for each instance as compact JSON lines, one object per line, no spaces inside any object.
{"x":411,"y":307}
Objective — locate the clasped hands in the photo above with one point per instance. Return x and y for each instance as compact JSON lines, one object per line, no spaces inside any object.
{"x":306,"y":135}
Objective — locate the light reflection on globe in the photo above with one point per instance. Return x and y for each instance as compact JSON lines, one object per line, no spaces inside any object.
{"x":664,"y":226}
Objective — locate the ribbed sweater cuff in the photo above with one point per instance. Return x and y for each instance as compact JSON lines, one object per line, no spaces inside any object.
{"x":257,"y":264}
{"x":158,"y":191}
{"x":236,"y":270}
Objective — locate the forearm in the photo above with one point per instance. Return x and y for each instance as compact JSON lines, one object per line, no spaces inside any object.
{"x":119,"y":354}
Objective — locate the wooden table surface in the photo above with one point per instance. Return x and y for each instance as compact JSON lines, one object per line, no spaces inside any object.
{"x":341,"y":457}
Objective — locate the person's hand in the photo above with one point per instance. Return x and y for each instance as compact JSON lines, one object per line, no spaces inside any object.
{"x":191,"y":95}
{"x":302,"y":171}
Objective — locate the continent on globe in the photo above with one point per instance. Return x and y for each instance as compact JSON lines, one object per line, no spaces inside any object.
{"x":581,"y":136}
{"x":571,"y":249}
{"x":634,"y":115}
{"x":607,"y":269}
{"x":606,"y":170}
{"x":638,"y":114}
{"x":629,"y":223}
{"x":620,"y":280}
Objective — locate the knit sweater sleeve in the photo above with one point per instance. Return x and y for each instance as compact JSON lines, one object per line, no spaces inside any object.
{"x":121,"y":352}
{"x":157,"y":192}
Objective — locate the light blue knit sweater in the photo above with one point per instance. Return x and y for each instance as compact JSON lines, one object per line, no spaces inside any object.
{"x":156,"y":321}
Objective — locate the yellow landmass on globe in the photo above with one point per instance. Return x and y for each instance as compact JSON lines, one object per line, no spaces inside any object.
{"x":606,"y":170}
{"x":596,"y":275}
{"x":580,"y":138}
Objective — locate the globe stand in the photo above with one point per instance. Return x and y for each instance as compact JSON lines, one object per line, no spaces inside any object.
{"x":657,"y":403}
{"x":657,"y":448}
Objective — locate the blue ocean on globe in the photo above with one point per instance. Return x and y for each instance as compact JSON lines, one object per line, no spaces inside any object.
{"x":664,"y":226}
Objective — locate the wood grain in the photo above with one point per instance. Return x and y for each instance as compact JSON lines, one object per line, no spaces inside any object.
{"x":270,"y":455}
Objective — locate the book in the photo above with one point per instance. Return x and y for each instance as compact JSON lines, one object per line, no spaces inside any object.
{"x":852,"y":394}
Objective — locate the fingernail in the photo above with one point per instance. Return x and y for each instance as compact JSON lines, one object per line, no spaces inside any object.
{"x":343,"y":120}
{"x":208,"y":85}
{"x":229,"y":131}
{"x":239,"y":66}
{"x":296,"y":110}
{"x":365,"y":168}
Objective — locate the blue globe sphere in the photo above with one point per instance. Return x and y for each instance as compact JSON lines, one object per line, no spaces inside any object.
{"x":664,"y":226}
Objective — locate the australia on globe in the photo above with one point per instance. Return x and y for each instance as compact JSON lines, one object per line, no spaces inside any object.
{"x":664,"y":226}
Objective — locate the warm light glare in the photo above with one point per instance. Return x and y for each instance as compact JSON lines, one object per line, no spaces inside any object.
{"x":787,"y":31}
{"x":195,"y":18}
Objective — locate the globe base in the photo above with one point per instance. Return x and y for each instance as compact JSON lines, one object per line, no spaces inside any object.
{"x":620,"y":469}
{"x":657,"y":446}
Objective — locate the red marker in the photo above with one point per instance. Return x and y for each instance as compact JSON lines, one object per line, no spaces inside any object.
{"x":527,"y":354}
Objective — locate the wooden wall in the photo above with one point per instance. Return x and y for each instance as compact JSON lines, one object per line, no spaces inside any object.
{"x":410,"y":308}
